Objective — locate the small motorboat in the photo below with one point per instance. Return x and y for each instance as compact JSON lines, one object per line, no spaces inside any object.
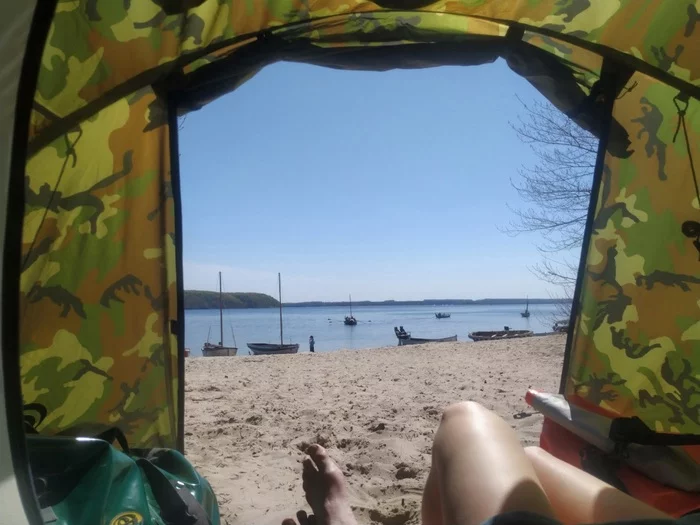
{"x":405,"y":338}
{"x":442,"y":315}
{"x":401,"y":333}
{"x":497,"y":335}
{"x":272,"y":349}
{"x":419,"y":340}
{"x":561,"y":326}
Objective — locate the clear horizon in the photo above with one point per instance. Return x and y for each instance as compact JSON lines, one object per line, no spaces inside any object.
{"x":385,"y":186}
{"x":345,"y":301}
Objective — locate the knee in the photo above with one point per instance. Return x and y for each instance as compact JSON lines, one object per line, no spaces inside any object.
{"x":535,"y":454}
{"x":463,"y":409}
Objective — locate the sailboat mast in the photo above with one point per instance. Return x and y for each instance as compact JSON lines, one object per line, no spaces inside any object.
{"x":350,"y":297}
{"x":221,"y":313}
{"x":279,"y":286}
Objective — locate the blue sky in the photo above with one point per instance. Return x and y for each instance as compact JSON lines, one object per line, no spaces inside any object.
{"x":385,"y":185}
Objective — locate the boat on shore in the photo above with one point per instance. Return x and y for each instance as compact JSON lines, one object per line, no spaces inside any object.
{"x":419,"y":340}
{"x":561,"y":326}
{"x":498,"y":335}
{"x":274,"y":348}
{"x":442,"y":315}
{"x":220,"y":350}
{"x":350,"y":319}
{"x":405,"y":338}
{"x":212,"y":350}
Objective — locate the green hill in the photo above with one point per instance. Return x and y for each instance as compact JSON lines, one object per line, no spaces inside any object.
{"x":202,"y":300}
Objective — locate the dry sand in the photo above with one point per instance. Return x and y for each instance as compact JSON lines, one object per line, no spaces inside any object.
{"x":248,"y":419}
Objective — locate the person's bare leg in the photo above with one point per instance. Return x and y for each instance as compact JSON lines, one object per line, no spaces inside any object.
{"x":578,"y":497}
{"x":431,"y":507}
{"x":481,"y":470}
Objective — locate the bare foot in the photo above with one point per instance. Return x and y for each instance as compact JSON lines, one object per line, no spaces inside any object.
{"x":303,"y":519}
{"x":324,"y":486}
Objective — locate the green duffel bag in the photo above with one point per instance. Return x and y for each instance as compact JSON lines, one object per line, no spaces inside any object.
{"x":87,"y":481}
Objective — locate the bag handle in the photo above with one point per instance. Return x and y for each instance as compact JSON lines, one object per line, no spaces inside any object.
{"x":177,"y":505}
{"x":114,"y":434}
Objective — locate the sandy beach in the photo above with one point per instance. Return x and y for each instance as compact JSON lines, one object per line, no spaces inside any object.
{"x":248,"y":419}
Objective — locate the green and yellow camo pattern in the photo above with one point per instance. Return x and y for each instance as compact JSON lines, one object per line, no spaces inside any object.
{"x":637,"y":342}
{"x":98,"y":287}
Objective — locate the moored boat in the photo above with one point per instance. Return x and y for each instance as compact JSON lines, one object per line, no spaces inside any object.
{"x":212,"y":350}
{"x":272,"y":349}
{"x":442,"y":315}
{"x":419,"y":340}
{"x":561,"y":326}
{"x":499,"y":334}
{"x":401,"y":333}
{"x":526,"y":313}
{"x":350,"y":319}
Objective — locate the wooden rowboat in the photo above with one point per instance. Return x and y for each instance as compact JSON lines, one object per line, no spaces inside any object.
{"x":275,"y":348}
{"x":210,"y":350}
{"x":419,"y":341}
{"x":272,"y":349}
{"x":499,"y":334}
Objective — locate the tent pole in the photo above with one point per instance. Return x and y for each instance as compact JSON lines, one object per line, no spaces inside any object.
{"x":26,"y":26}
{"x":177,"y":326}
{"x":611,"y":77}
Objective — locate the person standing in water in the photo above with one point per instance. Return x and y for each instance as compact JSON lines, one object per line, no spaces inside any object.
{"x":312,"y":343}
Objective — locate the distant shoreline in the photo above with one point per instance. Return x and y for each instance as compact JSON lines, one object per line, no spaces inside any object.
{"x":424,"y":302}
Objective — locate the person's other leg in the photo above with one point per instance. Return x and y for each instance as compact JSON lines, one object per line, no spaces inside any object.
{"x":479,"y":470}
{"x":578,"y":497}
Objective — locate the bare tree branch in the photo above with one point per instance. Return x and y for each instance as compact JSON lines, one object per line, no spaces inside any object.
{"x":557,"y":189}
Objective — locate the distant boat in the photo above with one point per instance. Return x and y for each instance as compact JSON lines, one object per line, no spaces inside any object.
{"x":526,"y":313}
{"x":499,"y":334}
{"x":405,"y":338}
{"x":350,"y":319}
{"x":442,"y":315}
{"x":212,"y":350}
{"x":271,"y":348}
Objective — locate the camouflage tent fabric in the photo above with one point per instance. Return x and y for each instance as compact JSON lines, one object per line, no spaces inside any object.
{"x":99,"y":272}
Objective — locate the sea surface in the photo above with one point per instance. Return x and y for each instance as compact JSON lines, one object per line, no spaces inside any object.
{"x":375,"y":326}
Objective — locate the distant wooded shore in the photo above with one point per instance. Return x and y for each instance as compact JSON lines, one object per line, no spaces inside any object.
{"x":204,"y":300}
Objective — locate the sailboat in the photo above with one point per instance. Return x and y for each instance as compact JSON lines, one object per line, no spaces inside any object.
{"x":271,"y":348}
{"x":212,"y":350}
{"x":350,"y":319}
{"x":526,"y":313}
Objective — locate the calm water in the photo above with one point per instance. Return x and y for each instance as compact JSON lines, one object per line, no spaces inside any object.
{"x":375,"y":324}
